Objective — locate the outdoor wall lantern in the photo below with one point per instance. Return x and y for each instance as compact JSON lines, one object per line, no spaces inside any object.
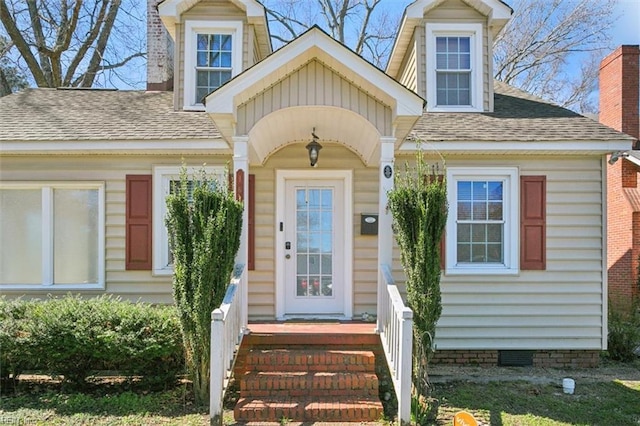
{"x":314,"y":149}
{"x":615,"y":156}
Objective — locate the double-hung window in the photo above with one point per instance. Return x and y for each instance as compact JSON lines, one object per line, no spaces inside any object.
{"x":165,"y":180}
{"x":213,"y":62}
{"x":453,"y":70}
{"x":52,"y":235}
{"x":454,"y":67}
{"x":482,"y":227}
{"x":213,"y":55}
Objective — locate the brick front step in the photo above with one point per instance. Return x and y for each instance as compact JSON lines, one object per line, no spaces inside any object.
{"x":308,"y":372}
{"x":327,"y":409}
{"x":301,"y":383}
{"x":309,"y":360}
{"x":310,"y":339}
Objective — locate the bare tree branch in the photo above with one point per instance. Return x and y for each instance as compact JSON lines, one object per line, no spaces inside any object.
{"x":10,"y":77}
{"x":543,"y":36}
{"x":88,"y":42}
{"x":77,"y":82}
{"x":360,"y":24}
{"x":21,"y":44}
{"x":98,"y":52}
{"x":364,"y":26}
{"x":68,"y":42}
{"x":287,"y":23}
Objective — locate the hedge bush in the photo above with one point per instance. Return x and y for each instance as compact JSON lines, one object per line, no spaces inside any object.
{"x":624,"y":333}
{"x":13,"y":338}
{"x":73,"y":337}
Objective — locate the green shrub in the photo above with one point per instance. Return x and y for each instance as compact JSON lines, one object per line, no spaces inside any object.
{"x":73,"y":337}
{"x":204,"y":222}
{"x":63,"y":337}
{"x":13,"y":339}
{"x":145,"y":339}
{"x":624,"y":333}
{"x":424,"y":410}
{"x":418,"y":204}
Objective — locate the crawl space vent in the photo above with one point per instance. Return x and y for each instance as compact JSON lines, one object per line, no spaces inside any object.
{"x":515,"y":358}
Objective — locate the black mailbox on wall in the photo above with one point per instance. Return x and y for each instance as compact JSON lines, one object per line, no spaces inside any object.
{"x":369,"y":223}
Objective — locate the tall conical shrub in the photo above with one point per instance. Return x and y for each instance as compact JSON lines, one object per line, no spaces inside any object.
{"x":204,"y":223}
{"x":418,"y":204}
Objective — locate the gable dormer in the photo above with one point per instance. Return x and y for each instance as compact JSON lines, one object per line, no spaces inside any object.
{"x":444,"y":52}
{"x":214,"y":41}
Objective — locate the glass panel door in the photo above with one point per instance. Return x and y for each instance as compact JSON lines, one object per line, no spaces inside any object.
{"x":314,"y":247}
{"x":314,"y":242}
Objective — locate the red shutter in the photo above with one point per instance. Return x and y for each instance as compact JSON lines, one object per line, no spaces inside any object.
{"x":251,"y":261}
{"x":240,"y":185}
{"x":138,"y":222}
{"x":533,"y":227}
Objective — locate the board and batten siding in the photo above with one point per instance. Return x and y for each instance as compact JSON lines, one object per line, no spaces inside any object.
{"x":112,"y":170}
{"x":212,"y":10}
{"x":314,"y":84}
{"x":262,"y":291}
{"x":456,"y":11}
{"x":558,"y":308}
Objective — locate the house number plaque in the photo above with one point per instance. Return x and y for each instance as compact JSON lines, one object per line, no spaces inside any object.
{"x":388,"y":171}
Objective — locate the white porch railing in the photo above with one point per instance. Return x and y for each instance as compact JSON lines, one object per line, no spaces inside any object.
{"x":395,"y":321}
{"x":228,"y":324}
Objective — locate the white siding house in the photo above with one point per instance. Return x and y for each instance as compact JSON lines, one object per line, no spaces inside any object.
{"x":527,"y":274}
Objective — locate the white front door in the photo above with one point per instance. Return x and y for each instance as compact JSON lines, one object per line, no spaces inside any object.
{"x":316,"y":280}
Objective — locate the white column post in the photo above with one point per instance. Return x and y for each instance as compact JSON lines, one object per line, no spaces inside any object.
{"x":405,"y":365}
{"x":385,"y":233}
{"x":241,"y":162}
{"x":217,"y":368}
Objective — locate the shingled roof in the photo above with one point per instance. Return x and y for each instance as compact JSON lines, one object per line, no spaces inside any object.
{"x":99,"y":115}
{"x":76,"y":115}
{"x":518,"y":117}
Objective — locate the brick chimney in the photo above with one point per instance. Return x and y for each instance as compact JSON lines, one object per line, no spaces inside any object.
{"x":619,"y":93}
{"x":619,"y":74}
{"x":159,"y":51}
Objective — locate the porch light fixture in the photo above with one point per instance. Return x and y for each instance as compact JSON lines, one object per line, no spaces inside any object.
{"x":615,"y":156}
{"x":314,"y":148}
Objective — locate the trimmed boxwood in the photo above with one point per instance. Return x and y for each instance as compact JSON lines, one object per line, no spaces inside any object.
{"x":73,"y":337}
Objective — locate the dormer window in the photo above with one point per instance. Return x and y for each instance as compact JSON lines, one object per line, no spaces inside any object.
{"x":453,"y":71}
{"x":213,"y":62}
{"x":213,"y":55}
{"x":454,"y":67}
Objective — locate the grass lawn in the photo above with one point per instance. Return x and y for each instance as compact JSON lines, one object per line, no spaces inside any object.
{"x":519,"y":403}
{"x":597,"y":402}
{"x":51,"y":407}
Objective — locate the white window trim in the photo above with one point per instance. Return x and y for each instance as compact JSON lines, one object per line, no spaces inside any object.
{"x":474,"y":31}
{"x":192,"y":28}
{"x":511,"y":210}
{"x":162,"y":175}
{"x":47,"y":235}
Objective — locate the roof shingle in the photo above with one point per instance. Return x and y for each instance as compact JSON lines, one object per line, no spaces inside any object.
{"x":518,"y":117}
{"x":99,"y":115}
{"x":76,"y":115}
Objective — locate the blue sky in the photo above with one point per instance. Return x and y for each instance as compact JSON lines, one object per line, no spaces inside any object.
{"x":627,"y":30}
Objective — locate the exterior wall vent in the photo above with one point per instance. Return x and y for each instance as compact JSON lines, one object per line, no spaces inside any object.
{"x":515,"y":358}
